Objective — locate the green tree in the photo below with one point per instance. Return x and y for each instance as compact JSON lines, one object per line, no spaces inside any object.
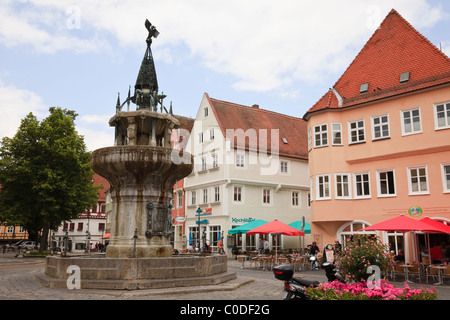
{"x":45,"y":174}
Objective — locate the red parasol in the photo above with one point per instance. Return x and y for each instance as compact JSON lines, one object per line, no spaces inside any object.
{"x":442,"y":227}
{"x":403,"y":224}
{"x":276,"y":227}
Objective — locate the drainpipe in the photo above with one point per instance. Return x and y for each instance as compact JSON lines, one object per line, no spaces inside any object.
{"x":338,"y":96}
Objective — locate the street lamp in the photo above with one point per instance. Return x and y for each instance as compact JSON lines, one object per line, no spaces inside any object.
{"x":66,"y":240}
{"x":199,"y":211}
{"x":88,"y":237}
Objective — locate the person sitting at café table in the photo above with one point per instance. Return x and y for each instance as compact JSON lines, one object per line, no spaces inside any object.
{"x":400,"y":257}
{"x":436,"y":254}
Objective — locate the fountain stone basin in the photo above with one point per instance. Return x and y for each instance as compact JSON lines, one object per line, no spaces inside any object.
{"x":140,"y":175}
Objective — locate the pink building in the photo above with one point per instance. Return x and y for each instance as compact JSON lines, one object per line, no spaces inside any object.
{"x":379,"y":139}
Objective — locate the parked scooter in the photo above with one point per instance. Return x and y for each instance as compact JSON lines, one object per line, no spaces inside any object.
{"x":295,"y":287}
{"x":332,"y":272}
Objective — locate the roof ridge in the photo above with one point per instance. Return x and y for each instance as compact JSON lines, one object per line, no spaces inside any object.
{"x":237,"y":105}
{"x":420,"y":34}
{"x":403,"y":20}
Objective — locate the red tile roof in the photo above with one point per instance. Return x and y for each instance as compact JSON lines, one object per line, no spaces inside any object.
{"x":100,"y":181}
{"x":234,"y":116}
{"x":394,"y":48}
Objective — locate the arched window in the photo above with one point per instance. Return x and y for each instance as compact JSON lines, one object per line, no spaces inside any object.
{"x":351,"y":228}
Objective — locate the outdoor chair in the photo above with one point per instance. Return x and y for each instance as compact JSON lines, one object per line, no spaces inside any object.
{"x":242,"y":259}
{"x":415,"y":271}
{"x":432,"y":272}
{"x":269,"y":262}
{"x":282,"y":259}
{"x":398,"y":270}
{"x":297,"y":263}
{"x":306,"y":264}
{"x":446,"y":273}
{"x":257,"y":261}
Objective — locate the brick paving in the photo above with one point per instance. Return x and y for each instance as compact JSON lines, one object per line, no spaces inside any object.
{"x":18,"y":282}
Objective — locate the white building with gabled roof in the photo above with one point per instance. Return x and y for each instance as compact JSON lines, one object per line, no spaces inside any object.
{"x":249,"y":164}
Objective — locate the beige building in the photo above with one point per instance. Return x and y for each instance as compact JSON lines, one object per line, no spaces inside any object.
{"x":249,"y":164}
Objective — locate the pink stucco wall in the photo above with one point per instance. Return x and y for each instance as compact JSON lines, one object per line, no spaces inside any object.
{"x":430,"y":148}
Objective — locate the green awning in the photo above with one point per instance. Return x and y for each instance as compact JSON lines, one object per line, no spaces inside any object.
{"x":298,"y":225}
{"x":247,"y":227}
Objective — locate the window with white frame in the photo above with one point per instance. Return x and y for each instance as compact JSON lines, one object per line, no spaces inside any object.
{"x":446,"y":177}
{"x":205,"y":195}
{"x":240,"y":160}
{"x":336,"y":134}
{"x":386,"y":183}
{"x":311,"y":188}
{"x":267,"y":196}
{"x":203,"y":163}
{"x":214,"y":160}
{"x":200,"y":137}
{"x":362,"y":184}
{"x":411,"y":122}
{"x":321,"y":135}
{"x":442,"y":115}
{"x":356,"y":132}
{"x":418,"y":182}
{"x":216,"y":194}
{"x":205,"y":111}
{"x":193,"y":197}
{"x":323,"y":186}
{"x":295,"y":198}
{"x":380,"y":127}
{"x":211,"y":134}
{"x":342,"y":181}
{"x":237,"y":194}
{"x":180,"y":199}
{"x":284,"y":166}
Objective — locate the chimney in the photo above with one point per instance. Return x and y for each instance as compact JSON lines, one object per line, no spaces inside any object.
{"x":256,"y":106}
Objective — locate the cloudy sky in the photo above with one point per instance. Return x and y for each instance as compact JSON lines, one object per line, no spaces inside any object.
{"x":282,"y":55}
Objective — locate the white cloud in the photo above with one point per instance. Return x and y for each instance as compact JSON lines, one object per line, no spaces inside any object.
{"x":96,"y":130}
{"x":264,"y":46}
{"x":445,"y":47}
{"x":15,"y":104}
{"x":96,"y":137}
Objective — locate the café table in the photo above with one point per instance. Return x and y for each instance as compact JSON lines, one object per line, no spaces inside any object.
{"x":242,"y":259}
{"x":406,"y":268}
{"x":441,"y":269}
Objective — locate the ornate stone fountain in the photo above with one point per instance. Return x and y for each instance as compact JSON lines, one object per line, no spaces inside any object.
{"x":141,"y":168}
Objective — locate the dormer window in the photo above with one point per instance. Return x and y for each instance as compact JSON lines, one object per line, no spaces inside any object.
{"x":364,"y":87}
{"x":404,"y":77}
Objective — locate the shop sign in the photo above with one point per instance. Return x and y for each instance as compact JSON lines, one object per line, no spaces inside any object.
{"x":242,"y":220}
{"x":415,"y":211}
